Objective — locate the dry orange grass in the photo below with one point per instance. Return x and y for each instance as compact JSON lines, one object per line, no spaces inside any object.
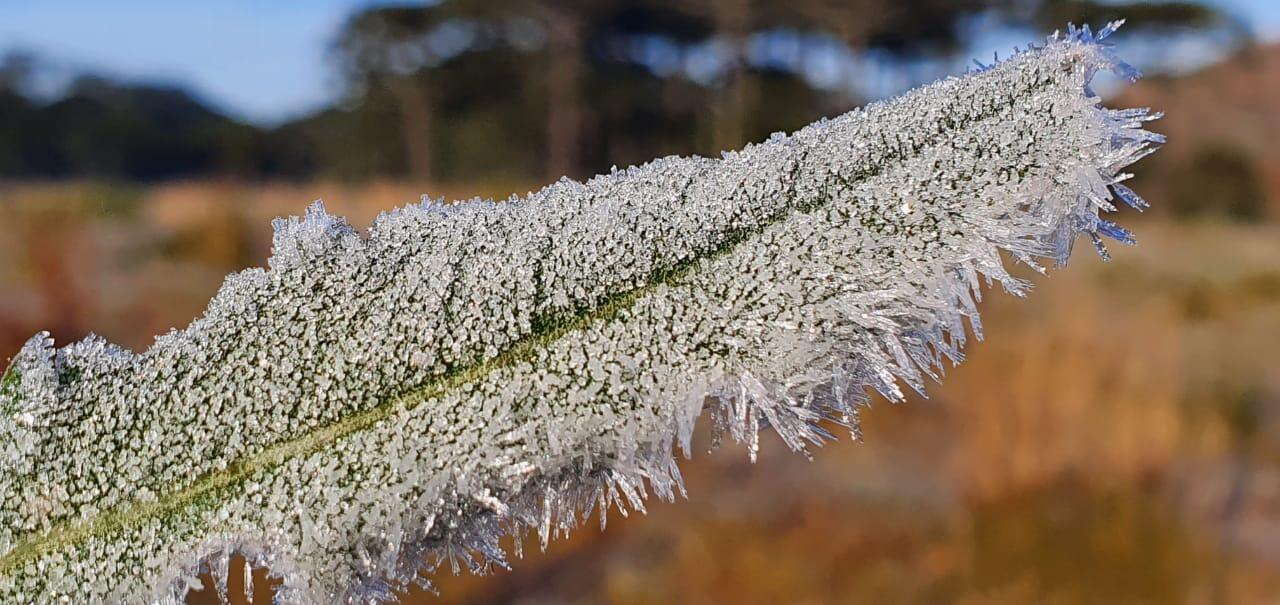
{"x":1078,"y":385}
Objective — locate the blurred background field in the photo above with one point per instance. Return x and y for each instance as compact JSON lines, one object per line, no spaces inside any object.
{"x":1115,"y":439}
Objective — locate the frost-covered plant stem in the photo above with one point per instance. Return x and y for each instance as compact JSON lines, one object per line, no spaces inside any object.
{"x":370,"y":408}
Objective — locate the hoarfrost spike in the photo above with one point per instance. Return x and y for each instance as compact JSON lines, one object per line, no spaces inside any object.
{"x":374,"y":407}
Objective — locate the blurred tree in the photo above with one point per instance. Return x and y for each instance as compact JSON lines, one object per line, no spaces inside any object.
{"x":380,"y":51}
{"x":1145,"y":15}
{"x":109,"y":130}
{"x":561,"y":67}
{"x":17,"y":148}
{"x":403,"y":53}
{"x":16,"y":69}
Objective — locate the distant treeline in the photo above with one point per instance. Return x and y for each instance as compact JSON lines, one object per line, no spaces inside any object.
{"x":108,"y":130}
{"x":467,"y":89}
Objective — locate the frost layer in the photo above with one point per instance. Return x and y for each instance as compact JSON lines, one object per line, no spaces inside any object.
{"x":371,"y":408}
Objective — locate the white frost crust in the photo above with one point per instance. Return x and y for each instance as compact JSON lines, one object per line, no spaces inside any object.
{"x":369,"y":409}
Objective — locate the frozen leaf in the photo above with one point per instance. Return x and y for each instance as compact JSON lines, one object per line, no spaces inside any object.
{"x":372,"y":407}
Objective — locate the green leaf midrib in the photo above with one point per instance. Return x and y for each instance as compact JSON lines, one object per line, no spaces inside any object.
{"x":546,"y":329}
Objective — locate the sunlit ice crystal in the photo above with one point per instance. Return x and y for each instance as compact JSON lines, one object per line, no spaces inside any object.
{"x":373,"y":407}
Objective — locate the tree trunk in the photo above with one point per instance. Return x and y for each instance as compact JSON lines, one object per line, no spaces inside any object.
{"x":564,"y":95}
{"x":415,"y":109}
{"x":729,"y":115}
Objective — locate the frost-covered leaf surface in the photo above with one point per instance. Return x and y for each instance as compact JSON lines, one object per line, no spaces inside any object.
{"x":376,"y":407}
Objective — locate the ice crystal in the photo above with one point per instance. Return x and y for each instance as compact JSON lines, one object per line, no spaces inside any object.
{"x":373,"y":408}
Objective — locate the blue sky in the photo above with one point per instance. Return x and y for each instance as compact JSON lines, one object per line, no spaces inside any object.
{"x":263,"y":61}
